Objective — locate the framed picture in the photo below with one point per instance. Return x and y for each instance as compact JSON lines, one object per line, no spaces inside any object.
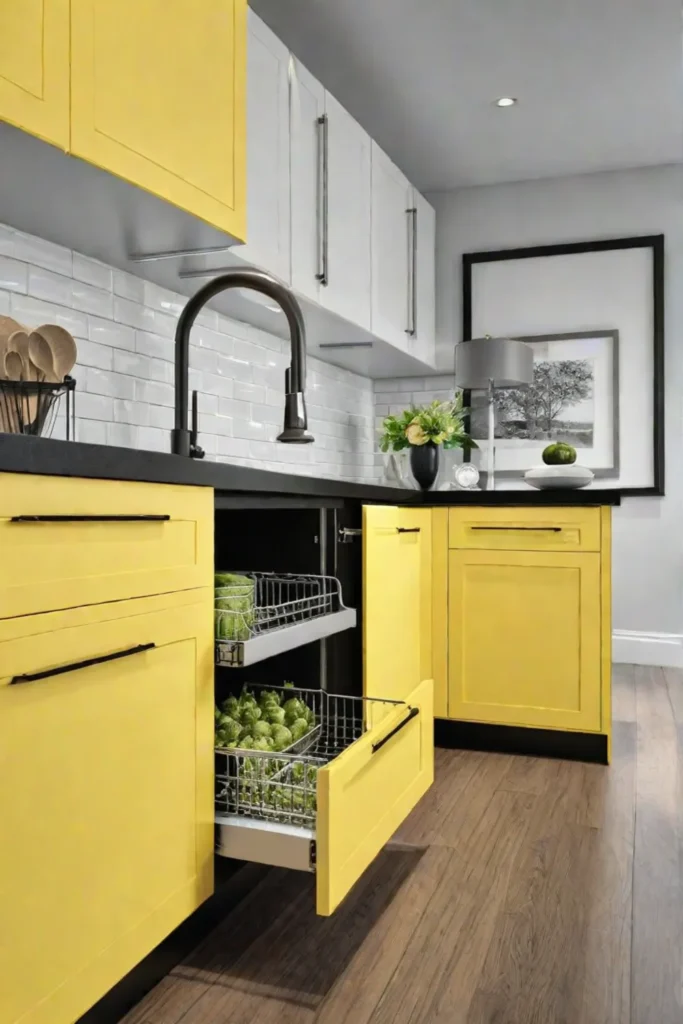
{"x":574,"y":398}
{"x":593,"y":312}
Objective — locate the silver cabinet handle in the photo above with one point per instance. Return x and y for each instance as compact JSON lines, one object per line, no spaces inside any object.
{"x":411,"y":329}
{"x":323,"y":199}
{"x":347,"y":533}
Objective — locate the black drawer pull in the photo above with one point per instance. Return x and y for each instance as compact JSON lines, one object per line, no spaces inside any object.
{"x":89,"y":519}
{"x":533,"y":529}
{"x":413,"y":712}
{"x":407,"y":529}
{"x":34,"y":677}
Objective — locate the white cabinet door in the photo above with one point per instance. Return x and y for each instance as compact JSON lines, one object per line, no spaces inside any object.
{"x":392,"y":198}
{"x":307,"y":107}
{"x":348,"y":184}
{"x":268,"y":187}
{"x":424,"y":270}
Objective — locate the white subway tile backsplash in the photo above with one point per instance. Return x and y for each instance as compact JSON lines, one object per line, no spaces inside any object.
{"x":33,"y":312}
{"x":40,"y":253}
{"x":92,"y":272}
{"x":106,"y":332}
{"x":13,"y":275}
{"x":91,"y":299}
{"x":125,"y":326}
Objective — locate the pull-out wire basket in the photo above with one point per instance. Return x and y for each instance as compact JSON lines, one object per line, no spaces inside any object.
{"x":281,"y":787}
{"x":261,"y":614}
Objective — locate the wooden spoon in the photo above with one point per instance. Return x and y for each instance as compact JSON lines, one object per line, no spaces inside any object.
{"x":63,"y":347}
{"x":14,"y":366}
{"x":41,"y":356}
{"x":7,"y":326}
{"x":19,"y":342}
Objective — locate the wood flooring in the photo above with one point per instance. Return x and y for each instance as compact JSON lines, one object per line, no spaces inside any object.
{"x":520,"y":891}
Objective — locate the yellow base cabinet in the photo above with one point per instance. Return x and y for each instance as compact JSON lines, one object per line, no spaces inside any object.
{"x":106,"y":757}
{"x":34,"y":67}
{"x":529,"y":618}
{"x":158,"y":97}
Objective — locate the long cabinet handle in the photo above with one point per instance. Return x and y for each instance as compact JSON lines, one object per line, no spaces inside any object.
{"x":74,"y":666}
{"x":532,"y":529}
{"x":412,"y":713}
{"x":323,"y":199}
{"x":89,"y":519}
{"x":411,"y":329}
{"x":407,"y":529}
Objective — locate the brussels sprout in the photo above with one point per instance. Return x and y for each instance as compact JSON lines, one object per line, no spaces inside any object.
{"x":275,"y":715}
{"x":230,"y":729}
{"x":269,"y":697}
{"x":234,"y":606}
{"x":260,"y":729}
{"x":249,"y":715}
{"x":282,"y":737}
{"x":262,"y":743}
{"x":231,"y":706}
{"x":247,"y":742}
{"x":299,"y":728}
{"x":217,"y":713}
{"x":294,"y":704}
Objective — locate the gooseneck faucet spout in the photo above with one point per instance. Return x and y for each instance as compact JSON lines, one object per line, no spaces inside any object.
{"x":295,"y":431}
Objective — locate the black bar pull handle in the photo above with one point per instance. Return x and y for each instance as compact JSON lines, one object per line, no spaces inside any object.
{"x":407,"y":529}
{"x":532,"y":529}
{"x":74,"y":666}
{"x":90,"y":519}
{"x":412,"y":713}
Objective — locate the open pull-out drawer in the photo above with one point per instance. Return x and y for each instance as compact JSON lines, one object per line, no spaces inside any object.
{"x":331,"y":807}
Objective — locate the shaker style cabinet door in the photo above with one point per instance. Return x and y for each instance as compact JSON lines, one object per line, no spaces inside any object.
{"x":158,"y":98}
{"x":525,"y":638}
{"x":34,"y":67}
{"x":106,"y":752}
{"x":424,"y":296}
{"x":268,"y":203}
{"x":393,"y":224}
{"x":307,"y":99}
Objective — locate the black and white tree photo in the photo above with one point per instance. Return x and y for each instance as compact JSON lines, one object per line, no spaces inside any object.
{"x":558,"y":406}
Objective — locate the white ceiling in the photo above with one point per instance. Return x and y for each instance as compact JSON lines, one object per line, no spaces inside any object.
{"x":598,"y":81}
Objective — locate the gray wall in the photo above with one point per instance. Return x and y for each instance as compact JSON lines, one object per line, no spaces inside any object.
{"x":648,"y":546}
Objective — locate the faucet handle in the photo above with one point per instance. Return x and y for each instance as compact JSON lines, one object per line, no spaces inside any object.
{"x":195,"y":451}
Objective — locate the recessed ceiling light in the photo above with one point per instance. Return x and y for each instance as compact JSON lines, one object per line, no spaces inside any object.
{"x":505,"y":101}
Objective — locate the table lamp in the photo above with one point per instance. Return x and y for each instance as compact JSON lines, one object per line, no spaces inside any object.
{"x":484,"y":364}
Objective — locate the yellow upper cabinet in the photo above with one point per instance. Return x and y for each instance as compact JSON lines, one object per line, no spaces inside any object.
{"x":158,"y":97}
{"x":34,"y":67}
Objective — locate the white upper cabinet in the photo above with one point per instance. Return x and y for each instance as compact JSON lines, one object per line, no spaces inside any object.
{"x":268,"y":179}
{"x":424,"y":276}
{"x":306,"y":147}
{"x":392,"y":256}
{"x":347,"y":216}
{"x":331,"y":189}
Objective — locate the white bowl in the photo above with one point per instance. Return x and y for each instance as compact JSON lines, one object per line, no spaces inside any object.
{"x":556,"y":477}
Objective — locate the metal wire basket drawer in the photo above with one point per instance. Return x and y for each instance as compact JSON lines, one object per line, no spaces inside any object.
{"x":258,"y":615}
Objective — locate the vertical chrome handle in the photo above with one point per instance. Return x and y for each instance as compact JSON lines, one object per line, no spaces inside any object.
{"x":411,"y":329}
{"x":323,"y":199}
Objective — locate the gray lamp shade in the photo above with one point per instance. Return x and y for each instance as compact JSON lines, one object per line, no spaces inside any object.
{"x":504,"y":362}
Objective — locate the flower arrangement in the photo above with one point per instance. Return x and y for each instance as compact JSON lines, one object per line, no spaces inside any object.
{"x":440,"y":423}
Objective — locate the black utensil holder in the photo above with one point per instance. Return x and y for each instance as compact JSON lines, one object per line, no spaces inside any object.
{"x":30,"y":407}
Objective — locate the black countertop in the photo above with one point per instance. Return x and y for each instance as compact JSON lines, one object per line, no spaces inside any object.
{"x":70,"y":458}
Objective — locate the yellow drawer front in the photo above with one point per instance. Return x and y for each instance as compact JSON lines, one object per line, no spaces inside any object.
{"x":107,"y":795}
{"x":366,"y":792}
{"x":99,"y":546}
{"x":524,"y":529}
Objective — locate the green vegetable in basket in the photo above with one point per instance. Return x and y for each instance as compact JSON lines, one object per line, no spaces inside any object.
{"x":230,"y":729}
{"x":269,"y":697}
{"x":275,"y":715}
{"x":262,"y":743}
{"x":247,"y":743}
{"x":231,"y":706}
{"x":294,"y":707}
{"x":234,"y":606}
{"x":260,"y":729}
{"x":282,"y":737}
{"x":299,"y":728}
{"x":249,"y":714}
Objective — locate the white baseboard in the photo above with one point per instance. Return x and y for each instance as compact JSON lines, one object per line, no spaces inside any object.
{"x":663,"y":649}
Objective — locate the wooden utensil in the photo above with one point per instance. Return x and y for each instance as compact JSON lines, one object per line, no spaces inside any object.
{"x":41,"y":356}
{"x":8,"y":325}
{"x":19,"y":342}
{"x":62,"y":346}
{"x":14,"y":366}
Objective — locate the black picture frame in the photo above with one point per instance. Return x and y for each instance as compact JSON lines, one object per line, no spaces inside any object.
{"x":653,"y":242}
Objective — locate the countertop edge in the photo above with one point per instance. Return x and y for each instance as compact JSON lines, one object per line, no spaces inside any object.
{"x":44,"y":456}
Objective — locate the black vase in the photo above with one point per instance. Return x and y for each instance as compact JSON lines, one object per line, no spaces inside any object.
{"x":424,"y":463}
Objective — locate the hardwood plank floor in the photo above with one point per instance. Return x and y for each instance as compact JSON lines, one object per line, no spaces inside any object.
{"x":520,"y":891}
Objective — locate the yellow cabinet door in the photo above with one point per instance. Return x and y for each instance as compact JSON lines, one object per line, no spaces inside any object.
{"x":106,"y":800}
{"x":158,"y":97}
{"x":525,"y":638}
{"x":34,"y":67}
{"x":397,"y":600}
